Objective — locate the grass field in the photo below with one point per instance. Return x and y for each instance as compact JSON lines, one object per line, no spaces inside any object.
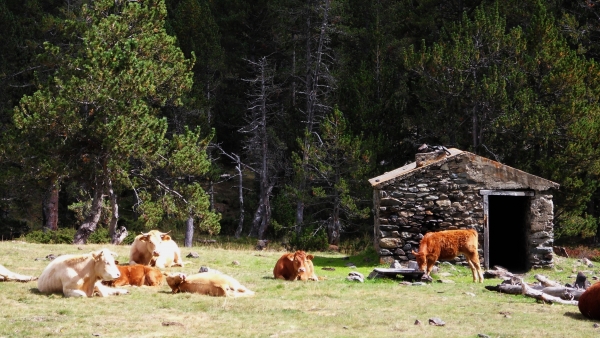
{"x":329,"y":308}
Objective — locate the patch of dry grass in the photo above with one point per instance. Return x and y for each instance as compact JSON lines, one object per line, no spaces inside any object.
{"x":330,"y":308}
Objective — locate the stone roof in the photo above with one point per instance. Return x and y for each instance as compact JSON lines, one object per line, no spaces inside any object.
{"x":494,"y":175}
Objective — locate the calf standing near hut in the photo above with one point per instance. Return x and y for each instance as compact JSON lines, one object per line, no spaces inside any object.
{"x":447,"y":245}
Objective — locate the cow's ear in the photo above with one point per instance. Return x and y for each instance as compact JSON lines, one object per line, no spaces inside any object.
{"x":290,"y":257}
{"x":310,"y":257}
{"x":97,"y":255}
{"x":165,"y":237}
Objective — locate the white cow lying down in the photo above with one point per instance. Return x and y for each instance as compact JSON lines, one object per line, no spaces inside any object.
{"x":81,"y":275}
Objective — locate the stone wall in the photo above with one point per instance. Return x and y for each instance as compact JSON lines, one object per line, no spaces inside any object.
{"x":443,"y":196}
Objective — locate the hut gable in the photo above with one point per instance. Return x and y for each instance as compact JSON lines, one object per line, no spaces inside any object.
{"x":511,"y":209}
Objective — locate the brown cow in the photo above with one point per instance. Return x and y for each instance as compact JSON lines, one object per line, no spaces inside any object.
{"x":294,"y":266}
{"x":589,"y":302}
{"x":208,"y":283}
{"x":137,"y":275}
{"x":447,"y":245}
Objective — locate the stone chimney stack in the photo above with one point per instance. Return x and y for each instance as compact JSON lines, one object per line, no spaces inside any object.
{"x":429,"y":154}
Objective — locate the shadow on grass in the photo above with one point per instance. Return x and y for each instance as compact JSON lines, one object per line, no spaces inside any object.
{"x":577,"y":315}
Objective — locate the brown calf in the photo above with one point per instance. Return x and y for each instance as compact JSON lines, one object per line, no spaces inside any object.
{"x":137,"y":275}
{"x":293,"y":266}
{"x":208,"y":283}
{"x":447,"y":245}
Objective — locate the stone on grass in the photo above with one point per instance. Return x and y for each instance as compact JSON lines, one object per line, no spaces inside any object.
{"x":436,"y":321}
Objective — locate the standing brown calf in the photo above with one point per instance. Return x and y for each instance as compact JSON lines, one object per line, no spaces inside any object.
{"x":447,"y":245}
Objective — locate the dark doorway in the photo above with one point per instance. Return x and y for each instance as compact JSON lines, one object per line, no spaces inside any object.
{"x":508,"y":232}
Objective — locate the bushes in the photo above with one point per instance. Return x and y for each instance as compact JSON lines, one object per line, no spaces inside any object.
{"x":65,"y":236}
{"x":309,"y":240}
{"x":60,"y":236}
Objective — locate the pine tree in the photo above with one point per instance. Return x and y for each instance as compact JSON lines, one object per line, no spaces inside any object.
{"x":98,"y":116}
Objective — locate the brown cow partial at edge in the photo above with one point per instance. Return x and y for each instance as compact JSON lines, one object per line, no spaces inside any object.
{"x":589,"y":302}
{"x":295,"y":265}
{"x":447,"y":245}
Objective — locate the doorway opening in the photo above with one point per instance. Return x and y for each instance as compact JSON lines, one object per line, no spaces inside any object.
{"x":507,"y":232}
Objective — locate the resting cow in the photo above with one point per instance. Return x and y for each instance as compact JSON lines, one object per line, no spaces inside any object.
{"x":7,"y":275}
{"x":80,"y":275}
{"x":294,"y":266}
{"x":155,"y":248}
{"x":208,"y":283}
{"x":589,"y":302}
{"x":447,"y":245}
{"x":137,"y":275}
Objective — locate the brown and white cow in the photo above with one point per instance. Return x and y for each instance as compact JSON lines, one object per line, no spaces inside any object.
{"x":295,"y":265}
{"x":447,"y":245}
{"x":137,"y":275}
{"x":589,"y":302}
{"x":81,"y":275}
{"x":208,"y":283}
{"x":155,"y":248}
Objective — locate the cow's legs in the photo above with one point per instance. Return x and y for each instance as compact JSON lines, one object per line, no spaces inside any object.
{"x":68,"y":292}
{"x":475,"y":266}
{"x":104,"y":291}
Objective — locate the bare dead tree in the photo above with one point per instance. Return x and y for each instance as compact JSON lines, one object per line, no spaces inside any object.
{"x":317,"y":84}
{"x":257,"y":144}
{"x":239,"y":166}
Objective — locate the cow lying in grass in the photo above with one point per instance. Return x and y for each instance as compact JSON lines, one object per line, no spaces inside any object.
{"x":155,"y":248}
{"x":81,"y":275}
{"x":137,"y":275}
{"x":447,"y":245}
{"x":208,"y":283}
{"x":589,"y":302}
{"x":295,"y":266}
{"x":7,"y":275}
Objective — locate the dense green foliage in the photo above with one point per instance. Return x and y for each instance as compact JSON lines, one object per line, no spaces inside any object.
{"x":110,"y":103}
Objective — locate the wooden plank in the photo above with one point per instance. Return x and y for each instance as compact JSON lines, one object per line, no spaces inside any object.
{"x":486,"y":232}
{"x":506,"y":193}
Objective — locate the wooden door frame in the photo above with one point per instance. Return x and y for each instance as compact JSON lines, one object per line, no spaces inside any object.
{"x":486,"y":219}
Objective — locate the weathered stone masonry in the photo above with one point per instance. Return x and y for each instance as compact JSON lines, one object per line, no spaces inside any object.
{"x":445,"y":195}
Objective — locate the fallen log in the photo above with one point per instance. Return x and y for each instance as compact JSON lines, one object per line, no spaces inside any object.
{"x":511,"y":289}
{"x":563,"y":292}
{"x":498,"y":272}
{"x":547,"y":282}
{"x":539,"y":295}
{"x":7,"y":275}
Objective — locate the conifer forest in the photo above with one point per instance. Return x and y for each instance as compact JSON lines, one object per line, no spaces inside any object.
{"x":266,"y":119}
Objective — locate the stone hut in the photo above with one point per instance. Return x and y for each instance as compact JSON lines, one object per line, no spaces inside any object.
{"x":453,"y":189}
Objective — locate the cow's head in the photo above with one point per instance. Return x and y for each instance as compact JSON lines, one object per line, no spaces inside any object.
{"x":174,"y":280}
{"x":300,"y":262}
{"x":105,"y":266}
{"x":153,"y":238}
{"x":421,"y":259}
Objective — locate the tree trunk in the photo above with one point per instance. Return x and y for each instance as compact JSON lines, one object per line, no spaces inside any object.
{"x":112,"y":227}
{"x":50,"y":205}
{"x":189,"y":232}
{"x":334,"y":227}
{"x":238,"y":231}
{"x":91,"y":221}
{"x":266,"y":216}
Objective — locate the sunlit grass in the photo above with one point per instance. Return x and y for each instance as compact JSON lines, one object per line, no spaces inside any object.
{"x":329,"y":308}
